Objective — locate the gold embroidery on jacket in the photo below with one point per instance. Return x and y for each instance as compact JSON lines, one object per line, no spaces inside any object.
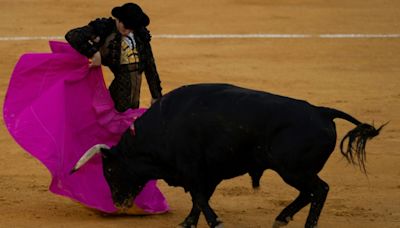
{"x":127,"y":54}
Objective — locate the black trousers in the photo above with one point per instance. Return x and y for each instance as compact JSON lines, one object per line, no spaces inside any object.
{"x":125,"y":88}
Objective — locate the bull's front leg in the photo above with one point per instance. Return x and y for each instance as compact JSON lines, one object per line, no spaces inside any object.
{"x":209,"y":214}
{"x":193,"y":217}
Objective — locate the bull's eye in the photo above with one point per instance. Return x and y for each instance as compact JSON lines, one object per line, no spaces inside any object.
{"x":109,"y":170}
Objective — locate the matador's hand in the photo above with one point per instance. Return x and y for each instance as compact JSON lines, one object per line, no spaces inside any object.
{"x":95,"y":60}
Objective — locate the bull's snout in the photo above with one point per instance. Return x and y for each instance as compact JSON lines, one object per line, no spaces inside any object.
{"x":127,"y":203}
{"x":122,"y":201}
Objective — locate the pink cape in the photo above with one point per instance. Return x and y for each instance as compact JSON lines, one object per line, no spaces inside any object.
{"x":56,"y":108}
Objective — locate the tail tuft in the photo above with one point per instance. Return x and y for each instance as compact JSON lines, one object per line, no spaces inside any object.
{"x":357,"y":139}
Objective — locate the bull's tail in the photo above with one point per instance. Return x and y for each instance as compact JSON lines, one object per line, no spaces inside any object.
{"x":356,"y":138}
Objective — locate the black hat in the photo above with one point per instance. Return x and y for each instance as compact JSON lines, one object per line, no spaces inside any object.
{"x":131,"y":15}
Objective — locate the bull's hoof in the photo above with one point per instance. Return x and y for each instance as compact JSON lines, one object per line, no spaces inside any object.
{"x":312,"y":226}
{"x":189,"y":222}
{"x":278,"y":224}
{"x":219,"y":225}
{"x":185,"y":225}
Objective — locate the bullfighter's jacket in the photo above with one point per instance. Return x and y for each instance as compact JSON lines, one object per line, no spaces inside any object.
{"x":102,"y":35}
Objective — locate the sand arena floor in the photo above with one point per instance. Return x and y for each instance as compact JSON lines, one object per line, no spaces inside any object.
{"x":358,"y":75}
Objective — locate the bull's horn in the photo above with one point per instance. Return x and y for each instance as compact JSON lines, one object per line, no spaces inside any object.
{"x":88,"y":155}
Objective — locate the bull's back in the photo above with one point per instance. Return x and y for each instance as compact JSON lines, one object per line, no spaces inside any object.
{"x":231,"y":102}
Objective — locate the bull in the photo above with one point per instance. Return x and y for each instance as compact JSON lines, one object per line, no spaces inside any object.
{"x":198,"y":135}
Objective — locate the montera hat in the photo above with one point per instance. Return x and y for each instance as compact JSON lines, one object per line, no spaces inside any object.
{"x":131,"y":15}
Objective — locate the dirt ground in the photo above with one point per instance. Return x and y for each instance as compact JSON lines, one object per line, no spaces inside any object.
{"x":359,"y":75}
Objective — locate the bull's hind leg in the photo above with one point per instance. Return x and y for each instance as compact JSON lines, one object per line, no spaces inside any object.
{"x":318,"y":197}
{"x":287,"y":214}
{"x":312,"y":190}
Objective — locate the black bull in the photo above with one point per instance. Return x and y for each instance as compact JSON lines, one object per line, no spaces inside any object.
{"x":198,"y":135}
